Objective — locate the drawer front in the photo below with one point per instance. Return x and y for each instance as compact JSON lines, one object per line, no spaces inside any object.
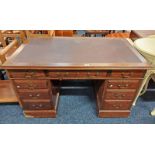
{"x":34,"y":94}
{"x":77,"y":74}
{"x":128,"y":74}
{"x":37,"y":105}
{"x":27,"y":74}
{"x":123,"y":84}
{"x":31,"y":84}
{"x":116,"y":105}
{"x":120,"y":95}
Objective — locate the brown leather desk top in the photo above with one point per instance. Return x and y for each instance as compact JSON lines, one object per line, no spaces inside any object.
{"x":144,"y":33}
{"x":77,"y":52}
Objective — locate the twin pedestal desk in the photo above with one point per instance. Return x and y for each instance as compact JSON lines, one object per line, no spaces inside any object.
{"x":114,"y":66}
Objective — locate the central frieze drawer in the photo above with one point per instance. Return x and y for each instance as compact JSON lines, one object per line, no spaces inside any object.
{"x":123,"y":84}
{"x":31,"y":84}
{"x":120,"y":94}
{"x":128,"y":74}
{"x":77,"y":74}
{"x":27,"y":74}
{"x":37,"y":105}
{"x":34,"y":94}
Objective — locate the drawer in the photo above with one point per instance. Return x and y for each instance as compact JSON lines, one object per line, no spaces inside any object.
{"x":37,"y":105}
{"x":120,"y":94}
{"x":34,"y":94}
{"x":31,"y":84}
{"x":27,"y":74}
{"x":123,"y":84}
{"x":128,"y":74}
{"x":116,"y":105}
{"x":77,"y":74}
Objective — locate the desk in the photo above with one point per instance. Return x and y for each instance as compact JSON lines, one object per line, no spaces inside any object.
{"x":113,"y":65}
{"x":135,"y":34}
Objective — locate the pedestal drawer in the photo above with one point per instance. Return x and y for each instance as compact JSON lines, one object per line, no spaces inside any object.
{"x":120,"y":94}
{"x":123,"y":84}
{"x":116,"y":105}
{"x":31,"y":84}
{"x":37,"y":105}
{"x":34,"y":94}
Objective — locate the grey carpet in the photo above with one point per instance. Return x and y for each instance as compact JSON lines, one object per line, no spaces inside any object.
{"x":80,"y":109}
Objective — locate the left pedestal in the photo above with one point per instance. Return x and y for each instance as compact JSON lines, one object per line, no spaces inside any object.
{"x":37,"y":95}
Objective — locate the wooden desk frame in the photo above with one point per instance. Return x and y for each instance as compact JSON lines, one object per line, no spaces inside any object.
{"x":116,"y":84}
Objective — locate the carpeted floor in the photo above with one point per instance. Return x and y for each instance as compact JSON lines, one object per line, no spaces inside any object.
{"x":81,"y":109}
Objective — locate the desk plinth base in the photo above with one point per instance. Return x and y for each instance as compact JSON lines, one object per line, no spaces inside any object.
{"x":40,"y":113}
{"x":43,"y":113}
{"x":113,"y":113}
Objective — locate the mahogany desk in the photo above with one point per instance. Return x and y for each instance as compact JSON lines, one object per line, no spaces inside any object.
{"x":114,"y":66}
{"x":135,"y":34}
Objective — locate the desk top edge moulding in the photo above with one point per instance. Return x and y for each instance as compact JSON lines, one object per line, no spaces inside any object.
{"x":78,"y":53}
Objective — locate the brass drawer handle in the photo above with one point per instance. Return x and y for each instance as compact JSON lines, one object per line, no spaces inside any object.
{"x":91,"y":76}
{"x":37,"y":106}
{"x":18,"y":86}
{"x":29,"y":74}
{"x":97,"y":73}
{"x":34,"y":96}
{"x":117,"y":106}
{"x":124,"y":75}
{"x":66,"y":74}
{"x":88,"y":73}
{"x":123,"y":85}
{"x":31,"y":86}
{"x":58,"y":74}
{"x":111,"y":85}
{"x":30,"y":95}
{"x":119,"y":95}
